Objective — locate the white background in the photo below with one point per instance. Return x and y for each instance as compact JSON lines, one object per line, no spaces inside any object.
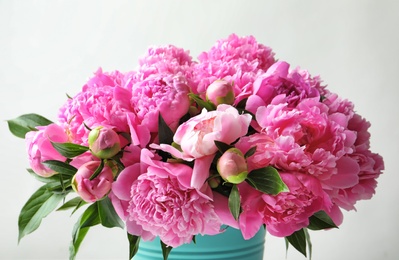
{"x":50,"y":48}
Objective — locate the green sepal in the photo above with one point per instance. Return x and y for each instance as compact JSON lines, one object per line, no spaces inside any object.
{"x":70,"y":150}
{"x":134,"y":242}
{"x":98,"y":170}
{"x":267,"y":180}
{"x":250,"y":152}
{"x":321,"y":220}
{"x":207,"y":105}
{"x":165,"y":250}
{"x":26,"y":123}
{"x":298,"y":240}
{"x":38,"y":206}
{"x":108,"y":216}
{"x":234,"y":202}
{"x":62,"y":168}
{"x":88,"y":219}
{"x":222,"y":147}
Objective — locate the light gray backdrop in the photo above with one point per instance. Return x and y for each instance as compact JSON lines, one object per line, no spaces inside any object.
{"x":50,"y":48}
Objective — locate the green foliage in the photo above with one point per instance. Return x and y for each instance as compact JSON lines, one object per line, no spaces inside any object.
{"x":26,"y":123}
{"x":320,"y":220}
{"x":165,"y":250}
{"x":70,"y":150}
{"x":222,"y":147}
{"x":298,"y":240}
{"x":134,"y":242}
{"x":165,"y":134}
{"x":235,"y":202}
{"x":62,"y":168}
{"x":202,"y":103}
{"x":38,"y":206}
{"x":267,"y":180}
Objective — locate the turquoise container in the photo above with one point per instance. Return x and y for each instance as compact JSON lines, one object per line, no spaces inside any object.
{"x":229,"y":245}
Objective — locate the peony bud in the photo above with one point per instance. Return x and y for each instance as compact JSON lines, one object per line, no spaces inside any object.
{"x":104,"y":142}
{"x":232,"y":166}
{"x":95,"y":189}
{"x":220,"y":92}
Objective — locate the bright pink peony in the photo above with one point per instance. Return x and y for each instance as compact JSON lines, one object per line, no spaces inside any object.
{"x":95,"y":189}
{"x":235,"y":59}
{"x":162,"y":203}
{"x":166,"y":94}
{"x":286,"y":212}
{"x":40,"y":149}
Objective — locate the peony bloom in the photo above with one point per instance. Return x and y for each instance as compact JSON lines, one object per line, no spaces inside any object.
{"x":160,"y":93}
{"x":95,"y":189}
{"x":286,"y":212}
{"x":235,"y":59}
{"x":40,"y":149}
{"x":162,"y":203}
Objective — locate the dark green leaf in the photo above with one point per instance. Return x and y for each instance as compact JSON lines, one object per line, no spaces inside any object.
{"x":267,"y":180}
{"x":108,"y":217}
{"x":63,"y":168}
{"x":88,"y":219}
{"x":235,"y":202}
{"x":205,"y":104}
{"x":242,"y":103}
{"x":72,"y":203}
{"x":39,"y":205}
{"x":26,"y":123}
{"x":222,"y":147}
{"x":134,"y":242}
{"x":321,"y":220}
{"x":70,"y":150}
{"x":165,"y":250}
{"x":250,"y":152}
{"x":51,"y":179}
{"x":165,"y":134}
{"x":98,"y":170}
{"x":298,"y":240}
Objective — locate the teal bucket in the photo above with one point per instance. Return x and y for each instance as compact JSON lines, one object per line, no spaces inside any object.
{"x":229,"y":245}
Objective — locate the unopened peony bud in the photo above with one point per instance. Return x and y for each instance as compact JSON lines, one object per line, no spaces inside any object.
{"x":220,"y":92}
{"x":214,"y":182}
{"x":232,"y":166}
{"x":104,"y":142}
{"x":95,"y":189}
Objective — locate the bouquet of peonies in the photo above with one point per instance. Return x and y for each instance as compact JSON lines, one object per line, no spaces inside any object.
{"x":179,"y":148}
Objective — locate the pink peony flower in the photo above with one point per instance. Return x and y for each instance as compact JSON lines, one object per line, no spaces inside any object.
{"x":162,"y":203}
{"x":40,"y":149}
{"x":235,"y":59}
{"x":95,"y":189}
{"x":160,"y":93}
{"x":286,"y":212}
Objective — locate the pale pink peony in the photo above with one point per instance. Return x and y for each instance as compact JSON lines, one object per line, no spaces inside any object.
{"x":286,"y":212}
{"x":40,"y":149}
{"x":95,"y":189}
{"x":162,"y":203}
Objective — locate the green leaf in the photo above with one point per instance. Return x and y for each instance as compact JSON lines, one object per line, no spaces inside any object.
{"x":39,"y":205}
{"x":88,"y":219}
{"x":242,"y":103}
{"x":222,"y":147}
{"x":108,"y":217}
{"x":72,"y":203}
{"x":97,"y":171}
{"x":63,"y":168}
{"x":202,"y":103}
{"x":70,"y":150}
{"x":298,"y":240}
{"x":267,"y":180}
{"x":235,"y":202}
{"x":250,"y":152}
{"x":165,"y":250}
{"x":51,"y":179}
{"x":165,"y":134}
{"x":321,"y":220}
{"x":26,"y":123}
{"x":134,"y":242}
